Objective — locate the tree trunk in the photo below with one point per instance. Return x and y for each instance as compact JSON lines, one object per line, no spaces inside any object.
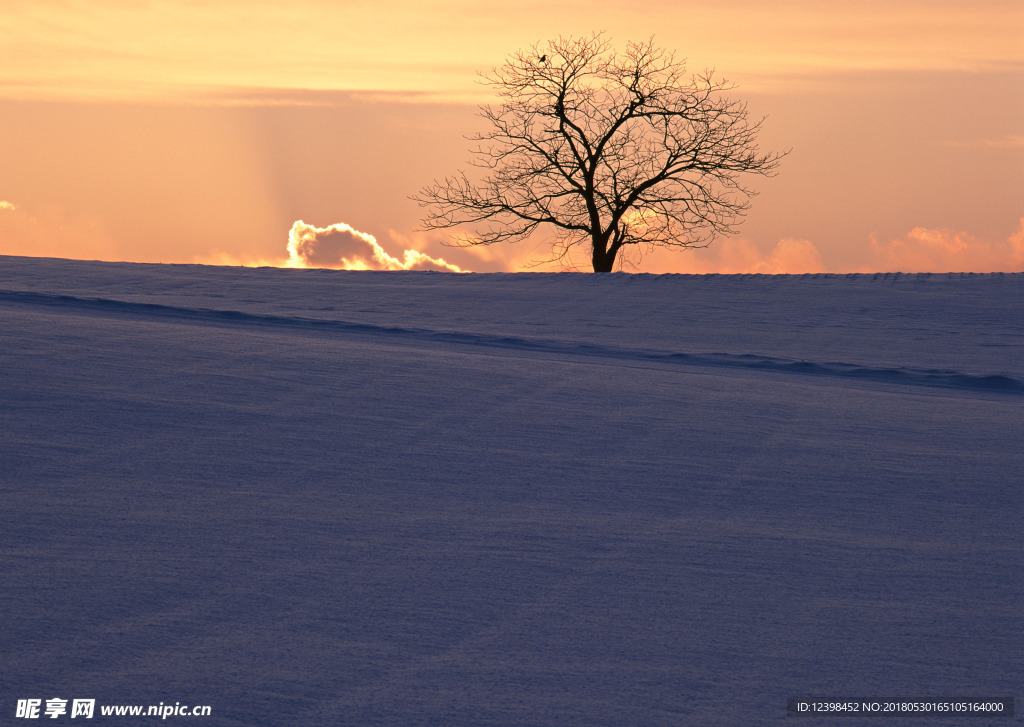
{"x":603,"y":260}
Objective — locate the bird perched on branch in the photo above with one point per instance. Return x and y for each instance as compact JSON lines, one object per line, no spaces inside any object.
{"x":544,"y":58}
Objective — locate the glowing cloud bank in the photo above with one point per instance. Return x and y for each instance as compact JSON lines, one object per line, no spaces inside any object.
{"x":924,"y":250}
{"x":738,"y":255}
{"x":342,"y":247}
{"x":53,"y":232}
{"x":921,"y":250}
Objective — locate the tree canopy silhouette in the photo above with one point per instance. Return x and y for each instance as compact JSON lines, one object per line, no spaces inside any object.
{"x":610,"y":150}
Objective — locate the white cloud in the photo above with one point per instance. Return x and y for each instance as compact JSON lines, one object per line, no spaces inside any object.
{"x":341,"y":246}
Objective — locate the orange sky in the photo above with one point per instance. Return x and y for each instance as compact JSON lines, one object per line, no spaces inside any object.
{"x":187,"y":131}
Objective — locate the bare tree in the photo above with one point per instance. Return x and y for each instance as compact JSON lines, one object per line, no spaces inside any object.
{"x":611,"y":150}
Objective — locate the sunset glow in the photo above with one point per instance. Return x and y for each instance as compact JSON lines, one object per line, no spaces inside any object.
{"x":181,"y":132}
{"x":133,"y":50}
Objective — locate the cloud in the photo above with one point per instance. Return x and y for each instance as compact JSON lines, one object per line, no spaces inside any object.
{"x":221,"y":257}
{"x":51,"y":232}
{"x":737,"y":255}
{"x":342,"y":247}
{"x":924,"y":250}
{"x":921,"y":250}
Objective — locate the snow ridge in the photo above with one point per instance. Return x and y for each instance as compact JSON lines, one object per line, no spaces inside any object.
{"x":394,"y":335}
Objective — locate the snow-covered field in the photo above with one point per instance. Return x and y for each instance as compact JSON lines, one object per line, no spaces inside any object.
{"x":337,"y":498}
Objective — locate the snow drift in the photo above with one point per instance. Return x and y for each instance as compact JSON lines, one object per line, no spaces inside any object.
{"x":321,"y":497}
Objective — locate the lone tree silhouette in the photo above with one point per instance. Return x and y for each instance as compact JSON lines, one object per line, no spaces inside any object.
{"x":611,"y":150}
